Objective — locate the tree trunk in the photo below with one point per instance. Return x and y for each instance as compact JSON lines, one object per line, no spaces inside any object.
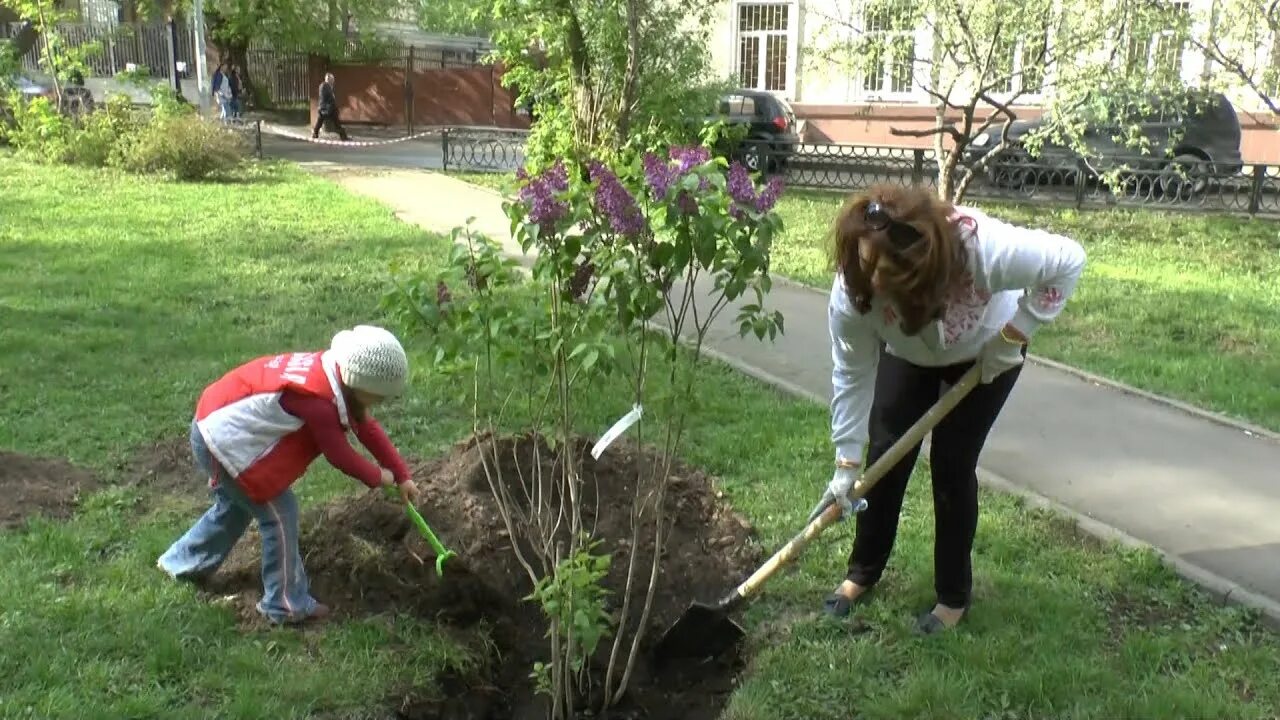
{"x":631,"y":77}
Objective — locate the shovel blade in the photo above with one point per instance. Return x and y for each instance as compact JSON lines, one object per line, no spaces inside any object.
{"x":702,"y":632}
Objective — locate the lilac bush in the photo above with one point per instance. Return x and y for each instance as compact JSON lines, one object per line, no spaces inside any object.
{"x":619,"y":247}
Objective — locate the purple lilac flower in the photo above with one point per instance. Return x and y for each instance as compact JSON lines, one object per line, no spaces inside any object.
{"x":769,"y":195}
{"x":689,"y":157}
{"x":615,"y":202}
{"x":659,"y":176}
{"x":539,"y":194}
{"x":741,"y":189}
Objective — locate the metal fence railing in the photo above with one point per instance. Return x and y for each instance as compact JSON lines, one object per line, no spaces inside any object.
{"x":1252,"y":189}
{"x":1136,"y":181}
{"x":119,"y":46}
{"x":483,"y":149}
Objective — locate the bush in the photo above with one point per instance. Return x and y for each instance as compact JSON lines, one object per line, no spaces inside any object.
{"x":37,"y":131}
{"x":103,"y":136}
{"x":169,"y":139}
{"x":185,"y":147}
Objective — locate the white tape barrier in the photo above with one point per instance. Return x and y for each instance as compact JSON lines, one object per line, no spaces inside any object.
{"x":281,"y":131}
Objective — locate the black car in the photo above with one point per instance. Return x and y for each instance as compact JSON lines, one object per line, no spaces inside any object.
{"x":76,"y":98}
{"x":769,"y":125}
{"x":1202,"y":138}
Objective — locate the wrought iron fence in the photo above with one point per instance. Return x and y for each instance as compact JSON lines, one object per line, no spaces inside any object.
{"x":1253,"y":189}
{"x":281,"y":74}
{"x":483,"y":149}
{"x":119,"y":46}
{"x":1141,"y":181}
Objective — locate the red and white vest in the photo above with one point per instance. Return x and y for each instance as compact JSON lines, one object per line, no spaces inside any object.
{"x":254,"y":440}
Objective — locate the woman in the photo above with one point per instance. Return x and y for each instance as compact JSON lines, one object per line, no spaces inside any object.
{"x":924,"y":290}
{"x":255,"y":432}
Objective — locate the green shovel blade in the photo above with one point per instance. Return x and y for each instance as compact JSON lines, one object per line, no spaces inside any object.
{"x":442,"y":554}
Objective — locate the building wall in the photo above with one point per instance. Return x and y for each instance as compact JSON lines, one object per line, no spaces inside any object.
{"x":833,"y":105}
{"x":873,"y":123}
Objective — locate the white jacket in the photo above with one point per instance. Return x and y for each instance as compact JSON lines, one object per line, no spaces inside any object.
{"x":1015,"y":276}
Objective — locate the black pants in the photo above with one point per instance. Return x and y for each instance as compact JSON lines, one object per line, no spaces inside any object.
{"x":331,"y":118}
{"x":904,"y":392}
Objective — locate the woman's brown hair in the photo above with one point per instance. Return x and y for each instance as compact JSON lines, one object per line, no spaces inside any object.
{"x":917,"y":279}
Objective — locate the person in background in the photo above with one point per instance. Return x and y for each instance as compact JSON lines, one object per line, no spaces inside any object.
{"x":327,"y":109}
{"x":256,"y":431}
{"x":236,"y":92}
{"x":924,"y":290}
{"x":220,"y":91}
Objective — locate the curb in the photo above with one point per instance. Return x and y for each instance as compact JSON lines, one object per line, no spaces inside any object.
{"x":1218,"y":418}
{"x":1221,"y":589}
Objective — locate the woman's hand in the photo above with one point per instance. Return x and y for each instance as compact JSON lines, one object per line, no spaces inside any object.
{"x":1001,"y":353}
{"x":838,"y":490}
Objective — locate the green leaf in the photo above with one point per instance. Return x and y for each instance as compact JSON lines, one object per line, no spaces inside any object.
{"x":706,"y":250}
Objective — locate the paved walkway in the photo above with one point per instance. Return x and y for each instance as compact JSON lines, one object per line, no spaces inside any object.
{"x":1205,"y":493}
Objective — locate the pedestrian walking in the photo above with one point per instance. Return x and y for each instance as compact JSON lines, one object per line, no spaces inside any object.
{"x":327,"y":109}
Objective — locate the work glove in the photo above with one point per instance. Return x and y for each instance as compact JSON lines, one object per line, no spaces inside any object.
{"x":838,"y":491}
{"x":998,"y":356}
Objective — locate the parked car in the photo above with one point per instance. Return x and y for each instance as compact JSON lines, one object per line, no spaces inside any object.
{"x":770,"y":127}
{"x":76,"y":98}
{"x":1203,"y":140}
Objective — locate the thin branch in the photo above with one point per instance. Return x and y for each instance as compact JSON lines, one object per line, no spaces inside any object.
{"x":1238,"y":69}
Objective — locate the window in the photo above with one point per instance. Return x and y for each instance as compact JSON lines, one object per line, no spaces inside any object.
{"x":890,"y":48}
{"x":764,"y":48}
{"x":1158,"y":52}
{"x":1018,"y":65}
{"x":738,"y":106}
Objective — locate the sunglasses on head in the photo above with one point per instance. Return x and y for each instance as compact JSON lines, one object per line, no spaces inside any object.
{"x":901,"y":235}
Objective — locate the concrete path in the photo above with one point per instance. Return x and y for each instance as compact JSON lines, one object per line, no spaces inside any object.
{"x":1204,"y":492}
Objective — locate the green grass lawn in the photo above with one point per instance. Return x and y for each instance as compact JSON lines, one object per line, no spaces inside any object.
{"x":1178,"y":304}
{"x":120,"y":298}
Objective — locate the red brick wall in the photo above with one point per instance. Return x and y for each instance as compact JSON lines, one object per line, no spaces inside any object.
{"x":870,"y":124}
{"x":449,"y":96}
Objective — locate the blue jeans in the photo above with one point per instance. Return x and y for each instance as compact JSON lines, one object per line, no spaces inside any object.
{"x":285,"y":591}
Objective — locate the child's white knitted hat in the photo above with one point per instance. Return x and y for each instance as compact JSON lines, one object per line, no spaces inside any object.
{"x":371,"y":359}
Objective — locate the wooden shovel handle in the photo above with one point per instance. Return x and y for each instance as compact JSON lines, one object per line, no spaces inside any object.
{"x":831,"y":515}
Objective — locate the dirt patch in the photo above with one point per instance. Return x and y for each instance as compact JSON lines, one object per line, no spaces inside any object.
{"x":363,"y":556}
{"x":165,"y":467}
{"x":40,"y":486}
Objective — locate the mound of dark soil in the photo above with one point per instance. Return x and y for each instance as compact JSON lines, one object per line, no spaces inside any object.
{"x":39,"y":486}
{"x":363,"y":556}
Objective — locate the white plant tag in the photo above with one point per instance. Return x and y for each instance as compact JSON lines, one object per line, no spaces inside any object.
{"x":625,"y":422}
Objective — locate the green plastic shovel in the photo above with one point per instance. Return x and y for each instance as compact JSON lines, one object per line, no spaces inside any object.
{"x":441,"y":552}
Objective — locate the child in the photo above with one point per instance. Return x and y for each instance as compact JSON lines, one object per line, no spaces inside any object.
{"x":255,"y":432}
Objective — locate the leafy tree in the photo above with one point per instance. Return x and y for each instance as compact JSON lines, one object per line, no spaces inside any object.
{"x":607,"y":75}
{"x":1242,"y":43}
{"x":332,"y":28}
{"x":1083,"y":62}
{"x":456,"y":17}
